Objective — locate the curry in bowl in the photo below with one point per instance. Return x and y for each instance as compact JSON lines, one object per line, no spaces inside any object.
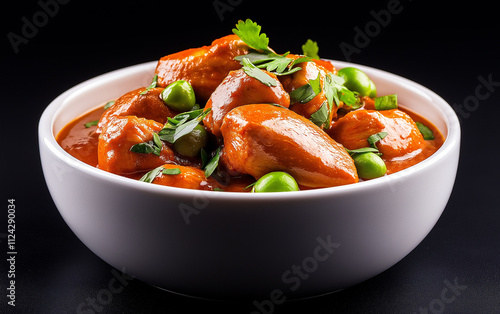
{"x":237,"y":116}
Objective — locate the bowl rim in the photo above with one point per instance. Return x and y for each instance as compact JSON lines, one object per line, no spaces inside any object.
{"x":47,"y":138}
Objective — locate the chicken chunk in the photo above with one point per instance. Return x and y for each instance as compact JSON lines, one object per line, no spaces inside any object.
{"x":119,"y":135}
{"x":149,"y":106}
{"x":203,"y":67}
{"x":403,"y":137}
{"x":261,"y":138}
{"x":309,"y":71}
{"x":188,"y":178}
{"x":239,"y":89}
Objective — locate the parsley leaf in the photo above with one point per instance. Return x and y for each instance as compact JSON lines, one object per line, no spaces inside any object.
{"x":249,"y":33}
{"x":426,"y":131}
{"x":306,"y":92}
{"x":154,"y":146}
{"x":171,"y":171}
{"x":362,"y":150}
{"x":212,"y":165}
{"x":272,"y":62}
{"x":310,"y":49}
{"x":386,"y":102}
{"x":253,"y":71}
{"x":374,"y":138}
{"x":336,"y":91}
{"x":278,"y":63}
{"x":181,"y":125}
{"x":151,"y":175}
{"x":321,"y":116}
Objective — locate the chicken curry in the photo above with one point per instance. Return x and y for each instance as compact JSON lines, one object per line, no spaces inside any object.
{"x":237,"y":116}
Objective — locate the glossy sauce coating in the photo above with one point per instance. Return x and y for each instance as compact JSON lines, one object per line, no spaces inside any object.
{"x":239,"y":89}
{"x":119,"y":135}
{"x":82,"y":143}
{"x":140,"y":104}
{"x":203,"y":67}
{"x":258,"y":128}
{"x":262,"y":138}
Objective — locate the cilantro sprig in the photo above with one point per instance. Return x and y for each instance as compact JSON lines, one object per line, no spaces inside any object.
{"x":372,"y":140}
{"x":425,"y":130}
{"x":182,"y":124}
{"x":249,"y":32}
{"x":310,"y":49}
{"x":262,"y":57}
{"x":306,"y":92}
{"x":386,"y":102}
{"x":151,"y":175}
{"x":174,"y":129}
{"x":252,"y":71}
{"x":154,"y":146}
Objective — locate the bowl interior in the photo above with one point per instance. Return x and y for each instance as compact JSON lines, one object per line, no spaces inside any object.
{"x":94,"y":92}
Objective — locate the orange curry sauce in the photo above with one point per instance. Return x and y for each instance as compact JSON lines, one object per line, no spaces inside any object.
{"x":254,"y":137}
{"x":81,"y":142}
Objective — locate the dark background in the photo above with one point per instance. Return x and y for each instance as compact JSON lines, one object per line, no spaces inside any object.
{"x":445,"y":48}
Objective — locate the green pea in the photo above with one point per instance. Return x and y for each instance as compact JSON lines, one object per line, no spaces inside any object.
{"x":277,"y":181}
{"x":357,"y":81}
{"x":179,"y":96}
{"x":369,"y":165}
{"x":190,"y":145}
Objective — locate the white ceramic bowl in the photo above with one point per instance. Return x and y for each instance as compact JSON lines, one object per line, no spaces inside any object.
{"x":215,"y":244}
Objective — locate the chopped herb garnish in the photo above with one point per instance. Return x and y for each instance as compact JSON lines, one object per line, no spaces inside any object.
{"x":249,"y":32}
{"x":91,"y":123}
{"x":153,"y":146}
{"x":151,"y":175}
{"x":362,"y":150}
{"x":272,"y":62}
{"x":108,"y":104}
{"x":153,"y":84}
{"x":253,"y":71}
{"x":321,"y":116}
{"x":306,"y":92}
{"x":212,"y":165}
{"x":171,"y":171}
{"x":373,"y":139}
{"x":263,"y":57}
{"x":310,"y":49}
{"x":181,"y":125}
{"x":335,"y":90}
{"x":277,"y":63}
{"x":426,"y":132}
{"x":386,"y":102}
{"x":204,"y":158}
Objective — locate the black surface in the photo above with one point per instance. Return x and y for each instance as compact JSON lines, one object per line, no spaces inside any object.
{"x":446,"y":49}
